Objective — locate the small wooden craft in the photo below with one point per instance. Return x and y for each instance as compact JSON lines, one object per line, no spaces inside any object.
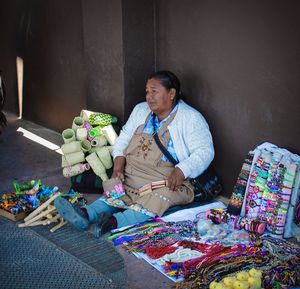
{"x":148,"y":188}
{"x":44,"y":215}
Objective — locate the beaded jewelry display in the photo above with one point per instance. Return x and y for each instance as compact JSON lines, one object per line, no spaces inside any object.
{"x":284,"y":199}
{"x":297,"y":214}
{"x":220,"y":216}
{"x":184,"y":228}
{"x":269,"y":190}
{"x":257,"y":184}
{"x":274,"y":199}
{"x":237,"y":197}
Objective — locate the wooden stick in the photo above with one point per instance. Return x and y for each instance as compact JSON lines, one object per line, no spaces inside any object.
{"x":53,"y":219}
{"x":42,"y":214}
{"x":62,"y":223}
{"x":37,"y":223}
{"x":49,"y":216}
{"x":42,"y":207}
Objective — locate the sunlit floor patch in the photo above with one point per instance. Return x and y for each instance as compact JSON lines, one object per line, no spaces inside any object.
{"x":40,"y":140}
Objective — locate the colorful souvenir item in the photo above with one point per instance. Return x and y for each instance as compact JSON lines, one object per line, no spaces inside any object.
{"x":85,"y":146}
{"x":297,"y":214}
{"x":27,"y":197}
{"x":81,"y":134}
{"x":96,"y":131}
{"x":148,"y":188}
{"x":97,"y":166}
{"x":105,"y":157}
{"x":68,"y":135}
{"x":257,"y":184}
{"x":218,"y":216}
{"x":110,"y":134}
{"x":75,"y":170}
{"x":99,"y":141}
{"x":71,"y":147}
{"x":237,"y":197}
{"x":73,"y":158}
{"x":113,"y":188}
{"x":102,"y":119}
{"x":85,"y":114}
{"x":88,"y":128}
{"x":78,"y":122}
{"x":284,"y":200}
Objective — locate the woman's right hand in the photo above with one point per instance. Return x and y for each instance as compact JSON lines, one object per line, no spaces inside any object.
{"x":119,"y":166}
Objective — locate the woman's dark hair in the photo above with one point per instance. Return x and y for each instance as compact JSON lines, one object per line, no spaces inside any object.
{"x":169,"y":80}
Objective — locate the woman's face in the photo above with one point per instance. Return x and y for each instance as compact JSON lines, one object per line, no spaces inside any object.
{"x":160,"y":100}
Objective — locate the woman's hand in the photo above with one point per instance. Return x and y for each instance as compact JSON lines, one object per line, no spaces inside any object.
{"x":119,"y":166}
{"x":175,"y":180}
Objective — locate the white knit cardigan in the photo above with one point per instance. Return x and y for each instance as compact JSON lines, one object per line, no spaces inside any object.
{"x":190,"y":134}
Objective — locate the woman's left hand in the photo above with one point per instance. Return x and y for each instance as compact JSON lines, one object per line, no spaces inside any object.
{"x":175,"y":180}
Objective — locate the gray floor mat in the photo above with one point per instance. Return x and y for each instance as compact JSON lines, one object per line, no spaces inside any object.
{"x":36,"y":258}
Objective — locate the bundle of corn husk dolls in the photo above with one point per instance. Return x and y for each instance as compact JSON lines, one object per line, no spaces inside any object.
{"x":88,"y":144}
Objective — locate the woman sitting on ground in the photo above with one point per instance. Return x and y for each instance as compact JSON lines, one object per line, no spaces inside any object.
{"x":139,"y":163}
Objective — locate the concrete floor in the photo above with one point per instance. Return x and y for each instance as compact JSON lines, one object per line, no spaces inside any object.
{"x":23,"y":159}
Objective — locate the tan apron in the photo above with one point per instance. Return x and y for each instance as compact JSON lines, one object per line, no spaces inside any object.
{"x":144,"y":165}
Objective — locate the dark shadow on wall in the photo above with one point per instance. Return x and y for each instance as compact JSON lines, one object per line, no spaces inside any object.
{"x":239,"y":65}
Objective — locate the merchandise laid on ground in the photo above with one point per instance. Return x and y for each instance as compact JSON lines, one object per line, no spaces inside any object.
{"x":33,"y":203}
{"x":238,"y":246}
{"x":251,"y":243}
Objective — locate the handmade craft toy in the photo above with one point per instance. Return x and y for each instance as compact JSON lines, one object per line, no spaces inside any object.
{"x":46,"y":213}
{"x":113,"y":188}
{"x":71,"y":147}
{"x":78,"y":122}
{"x":110,"y":134}
{"x":148,"y":188}
{"x":27,"y":197}
{"x":68,"y":135}
{"x":96,"y":131}
{"x":97,"y":166}
{"x":81,"y":134}
{"x":88,"y":127}
{"x":105,"y":157}
{"x":218,"y":216}
{"x":98,"y":142}
{"x":237,"y":197}
{"x":102,"y":119}
{"x":74,"y":170}
{"x":85,"y":144}
{"x":85,"y":114}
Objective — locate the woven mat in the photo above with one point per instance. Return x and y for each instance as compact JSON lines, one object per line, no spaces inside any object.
{"x":36,"y":258}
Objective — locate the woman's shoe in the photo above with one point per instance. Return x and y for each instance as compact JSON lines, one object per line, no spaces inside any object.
{"x":71,"y":213}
